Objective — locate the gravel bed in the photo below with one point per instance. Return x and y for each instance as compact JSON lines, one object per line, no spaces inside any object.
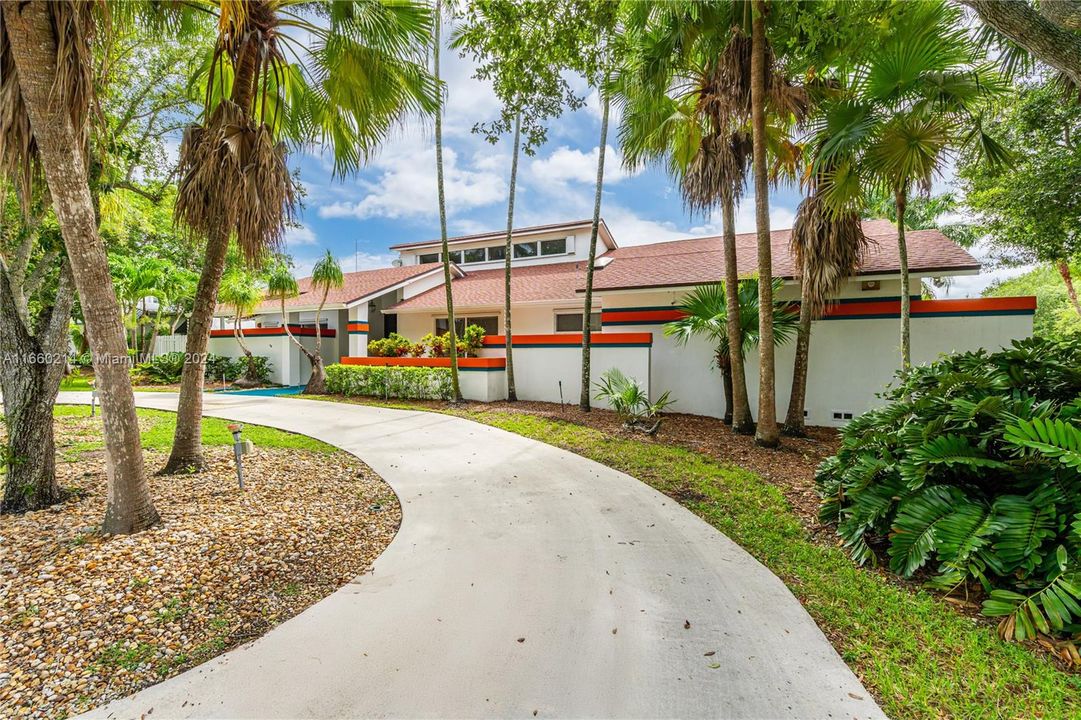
{"x":86,"y":618}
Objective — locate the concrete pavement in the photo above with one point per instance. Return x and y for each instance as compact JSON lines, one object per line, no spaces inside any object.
{"x":525,"y":581}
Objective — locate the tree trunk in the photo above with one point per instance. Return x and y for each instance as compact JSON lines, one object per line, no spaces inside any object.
{"x":742,"y":422}
{"x":1067,"y":279}
{"x":187,"y":452}
{"x":317,"y":383}
{"x":29,"y":386}
{"x":725,"y":366}
{"x":794,"y":424}
{"x":33,"y":47}
{"x":901,"y":201}
{"x":456,"y":388}
{"x":767,"y":433}
{"x":1022,"y":23}
{"x":511,"y":394}
{"x":587,"y":332}
{"x":238,"y":333}
{"x":308,"y":353}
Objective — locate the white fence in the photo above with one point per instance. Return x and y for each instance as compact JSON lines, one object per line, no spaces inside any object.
{"x":169,"y":343}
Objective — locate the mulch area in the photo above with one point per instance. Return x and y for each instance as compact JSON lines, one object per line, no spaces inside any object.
{"x":86,"y":618}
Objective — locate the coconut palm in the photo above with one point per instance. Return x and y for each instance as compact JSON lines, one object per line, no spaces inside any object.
{"x":241,"y":292}
{"x":359,"y":71}
{"x":456,"y":390}
{"x":706,"y":314}
{"x":916,"y":100}
{"x":46,"y":86}
{"x":326,"y":274}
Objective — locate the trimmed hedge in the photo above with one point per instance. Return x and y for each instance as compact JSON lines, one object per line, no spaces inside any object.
{"x":410,"y":383}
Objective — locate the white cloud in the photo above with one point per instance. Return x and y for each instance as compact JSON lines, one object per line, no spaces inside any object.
{"x":299,"y":235}
{"x":565,"y":164}
{"x":781,"y":217}
{"x":302,"y":267}
{"x":630,"y":229}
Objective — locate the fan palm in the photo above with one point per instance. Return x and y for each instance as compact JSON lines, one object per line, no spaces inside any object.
{"x":913,"y":102}
{"x":360,"y":70}
{"x":240,"y":291}
{"x":46,"y":91}
{"x":326,"y":274}
{"x":706,"y":312}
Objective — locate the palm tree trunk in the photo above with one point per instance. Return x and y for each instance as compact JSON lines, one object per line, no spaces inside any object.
{"x":901,"y":202}
{"x":456,"y":389}
{"x":33,"y":47}
{"x":187,"y":451}
{"x":794,"y":425}
{"x":238,"y":333}
{"x":587,"y":333}
{"x":725,"y":366}
{"x":767,"y":433}
{"x":285,"y":324}
{"x":317,"y":383}
{"x":1067,"y":279}
{"x":511,"y":394}
{"x":742,"y":422}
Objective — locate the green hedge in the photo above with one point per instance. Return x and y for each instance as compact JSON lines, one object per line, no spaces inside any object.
{"x":413,"y":383}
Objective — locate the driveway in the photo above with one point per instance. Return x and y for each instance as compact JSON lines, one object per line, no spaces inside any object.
{"x":525,"y":581}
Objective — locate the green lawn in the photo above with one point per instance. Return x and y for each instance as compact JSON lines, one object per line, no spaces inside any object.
{"x":919,"y":657}
{"x":75,"y":382}
{"x":160,"y":424}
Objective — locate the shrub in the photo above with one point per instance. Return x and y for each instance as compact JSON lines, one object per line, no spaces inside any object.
{"x":84,"y":360}
{"x":394,"y":345}
{"x":412,"y":383}
{"x":166,"y":369}
{"x":218,"y":366}
{"x":631,"y":402}
{"x":972,"y":469}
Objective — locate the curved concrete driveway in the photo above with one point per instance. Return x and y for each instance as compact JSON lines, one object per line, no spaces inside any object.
{"x":505,"y":538}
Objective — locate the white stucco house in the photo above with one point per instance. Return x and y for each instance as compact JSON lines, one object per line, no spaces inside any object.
{"x":637,"y":288}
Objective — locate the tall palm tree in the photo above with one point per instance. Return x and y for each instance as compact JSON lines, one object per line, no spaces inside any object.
{"x":46,"y":61}
{"x":706,"y":312}
{"x":281,"y":285}
{"x":456,"y":390}
{"x":916,"y":100}
{"x":326,"y":274}
{"x":360,"y":70}
{"x":240,"y":291}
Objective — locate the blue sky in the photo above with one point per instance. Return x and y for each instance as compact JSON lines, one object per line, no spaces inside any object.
{"x":393,"y":199}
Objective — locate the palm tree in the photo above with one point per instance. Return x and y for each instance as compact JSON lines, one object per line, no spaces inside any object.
{"x":706,"y":313}
{"x":359,"y":71}
{"x":240,"y":291}
{"x":326,"y":274}
{"x":46,"y":62}
{"x":281,"y":285}
{"x":915,"y":101}
{"x":456,"y":390}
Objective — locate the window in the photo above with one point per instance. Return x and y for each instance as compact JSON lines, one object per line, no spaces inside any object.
{"x":525,"y":250}
{"x":490,"y":323}
{"x":475,"y":255}
{"x":554,"y":247}
{"x":429,"y":258}
{"x":497,"y":252}
{"x":455,"y":256}
{"x":572,"y":322}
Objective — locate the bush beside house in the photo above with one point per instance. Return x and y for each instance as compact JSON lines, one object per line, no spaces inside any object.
{"x":971,"y":473}
{"x":410,"y":383}
{"x":431,"y":345}
{"x":166,"y":369}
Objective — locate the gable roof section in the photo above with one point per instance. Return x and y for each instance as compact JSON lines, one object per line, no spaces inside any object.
{"x":484,"y":288}
{"x":603,"y":233}
{"x":357,"y":286}
{"x":701,"y":260}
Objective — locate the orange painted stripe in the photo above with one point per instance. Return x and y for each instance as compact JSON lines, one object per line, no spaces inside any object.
{"x":357,"y":327}
{"x":471,"y":362}
{"x":273,"y":332}
{"x":925,"y":307}
{"x":570,"y":339}
{"x":644,"y":316}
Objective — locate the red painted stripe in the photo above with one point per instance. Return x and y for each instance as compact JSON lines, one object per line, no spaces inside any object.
{"x":425,"y":362}
{"x":273,"y":332}
{"x":919,"y":307}
{"x":571,"y":339}
{"x":643,"y":316}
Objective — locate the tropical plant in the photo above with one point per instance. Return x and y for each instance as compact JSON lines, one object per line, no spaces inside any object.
{"x":241,"y":292}
{"x":705,"y":314}
{"x":629,"y":400}
{"x":167,"y":368}
{"x":519,"y":48}
{"x":359,"y":70}
{"x":971,"y":473}
{"x":281,"y":285}
{"x":326,"y":274}
{"x":47,"y":79}
{"x":394,"y":345}
{"x":411,"y":383}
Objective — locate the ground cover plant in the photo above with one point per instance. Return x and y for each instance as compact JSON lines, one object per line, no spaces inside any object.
{"x":970,"y":475}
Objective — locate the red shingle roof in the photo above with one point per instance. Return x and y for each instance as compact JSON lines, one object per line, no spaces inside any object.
{"x":688,"y":262}
{"x":357,"y":285}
